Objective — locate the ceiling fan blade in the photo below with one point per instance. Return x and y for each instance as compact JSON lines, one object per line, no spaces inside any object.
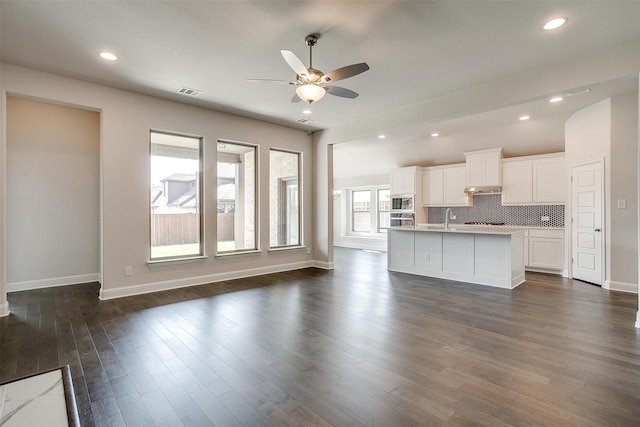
{"x":345,"y":72}
{"x":270,"y":81}
{"x":295,"y":63}
{"x":340,"y":91}
{"x":295,"y":98}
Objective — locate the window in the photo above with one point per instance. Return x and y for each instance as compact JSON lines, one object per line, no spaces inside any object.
{"x":284,"y":199}
{"x":175,"y":174}
{"x":384,"y":210}
{"x":361,"y":211}
{"x":236,"y":197}
{"x":367,"y":211}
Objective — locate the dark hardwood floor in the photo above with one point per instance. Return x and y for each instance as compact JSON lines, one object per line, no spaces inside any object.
{"x":349,"y":347}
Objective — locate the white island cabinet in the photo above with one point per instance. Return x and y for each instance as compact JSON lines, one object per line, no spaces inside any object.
{"x":479,"y":255}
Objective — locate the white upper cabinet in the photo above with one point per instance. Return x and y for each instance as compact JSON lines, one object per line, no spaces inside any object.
{"x":534,"y":180}
{"x":404,"y":180}
{"x":549,"y":185}
{"x":517,"y":182}
{"x":444,"y":186}
{"x":433,"y":187}
{"x":484,"y":167}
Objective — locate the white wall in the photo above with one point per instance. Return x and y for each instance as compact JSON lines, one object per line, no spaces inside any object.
{"x":341,"y":208}
{"x":588,"y":137}
{"x":126,"y":119}
{"x":4,"y":304}
{"x":53,"y":194}
{"x":609,"y":130}
{"x":624,"y":186}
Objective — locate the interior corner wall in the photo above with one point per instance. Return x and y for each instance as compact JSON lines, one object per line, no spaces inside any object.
{"x":588,"y":137}
{"x":323,"y":202}
{"x":126,"y":119}
{"x":53,"y":194}
{"x":624,"y":186}
{"x":4,"y":304}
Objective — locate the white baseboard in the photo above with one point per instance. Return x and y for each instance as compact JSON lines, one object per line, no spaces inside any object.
{"x":324,"y":265}
{"x":4,"y":309}
{"x":362,"y":245}
{"x":631,"y":288}
{"x":638,"y":319}
{"x":145,"y":288}
{"x":49,"y":283}
{"x":543,"y":270}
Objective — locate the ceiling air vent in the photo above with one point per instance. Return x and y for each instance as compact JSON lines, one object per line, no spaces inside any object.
{"x":304,"y":121}
{"x":189,"y":92}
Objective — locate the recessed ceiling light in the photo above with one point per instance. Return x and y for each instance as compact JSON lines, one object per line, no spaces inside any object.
{"x":556,"y":99}
{"x":435,"y":134}
{"x":555,"y":23}
{"x":524,"y":118}
{"x":108,"y":56}
{"x":381,"y":136}
{"x":307,"y":111}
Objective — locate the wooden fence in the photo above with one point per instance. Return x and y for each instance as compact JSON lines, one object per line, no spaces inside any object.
{"x":176,"y":229}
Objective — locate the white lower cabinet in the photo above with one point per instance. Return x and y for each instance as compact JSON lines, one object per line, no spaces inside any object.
{"x":545,"y":249}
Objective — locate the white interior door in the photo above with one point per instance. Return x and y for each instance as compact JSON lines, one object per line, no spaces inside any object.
{"x":587,"y":220}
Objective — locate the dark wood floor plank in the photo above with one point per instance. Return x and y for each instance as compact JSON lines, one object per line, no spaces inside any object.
{"x":348,"y":347}
{"x":161,"y":410}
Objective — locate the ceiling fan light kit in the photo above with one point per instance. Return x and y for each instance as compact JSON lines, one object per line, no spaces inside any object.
{"x":310,"y":92}
{"x":311,"y":82}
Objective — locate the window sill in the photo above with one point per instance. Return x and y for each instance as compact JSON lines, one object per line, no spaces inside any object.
{"x":287,"y":248}
{"x":238,"y":253}
{"x":174,"y":261}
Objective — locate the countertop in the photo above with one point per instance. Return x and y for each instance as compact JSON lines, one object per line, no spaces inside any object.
{"x":462,"y":228}
{"x":517,"y":227}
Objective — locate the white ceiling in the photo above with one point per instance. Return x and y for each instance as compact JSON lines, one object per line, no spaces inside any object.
{"x":416,"y":50}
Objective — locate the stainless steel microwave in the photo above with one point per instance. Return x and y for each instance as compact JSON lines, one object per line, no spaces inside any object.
{"x":402,"y":203}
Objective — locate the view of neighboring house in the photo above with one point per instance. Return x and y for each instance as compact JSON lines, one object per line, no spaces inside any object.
{"x":178,"y":194}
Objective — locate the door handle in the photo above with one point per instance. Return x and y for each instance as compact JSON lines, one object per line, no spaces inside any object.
{"x":596,"y":230}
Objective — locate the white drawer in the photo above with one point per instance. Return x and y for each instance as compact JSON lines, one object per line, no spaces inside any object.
{"x":553,"y":234}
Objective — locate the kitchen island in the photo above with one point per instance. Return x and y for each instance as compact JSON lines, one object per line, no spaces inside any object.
{"x":492,"y":256}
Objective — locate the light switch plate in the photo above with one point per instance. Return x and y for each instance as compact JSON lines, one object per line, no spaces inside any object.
{"x":622,"y":204}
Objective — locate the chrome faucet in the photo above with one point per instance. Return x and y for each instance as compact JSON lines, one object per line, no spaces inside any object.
{"x":447,"y":216}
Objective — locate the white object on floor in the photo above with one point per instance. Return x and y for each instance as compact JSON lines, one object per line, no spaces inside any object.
{"x":35,"y":401}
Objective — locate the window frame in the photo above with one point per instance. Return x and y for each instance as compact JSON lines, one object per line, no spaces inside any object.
{"x":256,"y":207}
{"x":301,"y":236}
{"x":200,"y":205}
{"x":353,"y":211}
{"x":379,"y":229}
{"x":375,"y":231}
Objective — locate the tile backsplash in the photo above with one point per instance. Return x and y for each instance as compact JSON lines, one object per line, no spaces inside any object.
{"x":488,"y":208}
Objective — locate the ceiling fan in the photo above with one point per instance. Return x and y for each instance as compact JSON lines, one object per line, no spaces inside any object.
{"x":312,"y":83}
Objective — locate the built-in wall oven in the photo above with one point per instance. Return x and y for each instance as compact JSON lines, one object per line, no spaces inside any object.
{"x":402,"y":203}
{"x":399,"y":219}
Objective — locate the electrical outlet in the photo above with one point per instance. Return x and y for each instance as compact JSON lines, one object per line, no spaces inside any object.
{"x":308,"y":251}
{"x":545,"y":218}
{"x":427,"y":257}
{"x":128,"y":271}
{"x":622,"y":204}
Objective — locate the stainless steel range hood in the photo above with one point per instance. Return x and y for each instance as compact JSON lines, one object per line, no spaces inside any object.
{"x":483,"y":189}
